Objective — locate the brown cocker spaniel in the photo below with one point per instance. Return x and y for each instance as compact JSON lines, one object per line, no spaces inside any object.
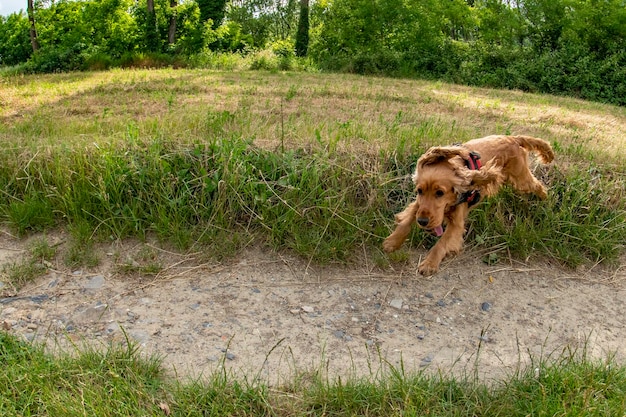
{"x":450,"y":180}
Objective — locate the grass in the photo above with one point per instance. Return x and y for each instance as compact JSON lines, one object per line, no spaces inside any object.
{"x":317,"y":164}
{"x":28,"y":268}
{"x":118,"y":380}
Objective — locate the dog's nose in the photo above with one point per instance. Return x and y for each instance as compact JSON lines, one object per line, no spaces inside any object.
{"x":423,"y":221}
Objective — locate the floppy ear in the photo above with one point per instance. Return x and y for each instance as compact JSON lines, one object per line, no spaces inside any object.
{"x":488,"y":179}
{"x":441,"y":153}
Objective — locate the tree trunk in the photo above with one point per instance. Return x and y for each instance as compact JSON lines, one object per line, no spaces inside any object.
{"x":152,"y":34}
{"x":33,"y":31}
{"x":302,"y":36}
{"x":171,"y":34}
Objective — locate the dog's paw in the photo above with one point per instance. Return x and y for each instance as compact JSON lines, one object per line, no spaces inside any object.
{"x":390,"y":245}
{"x":428,"y":268}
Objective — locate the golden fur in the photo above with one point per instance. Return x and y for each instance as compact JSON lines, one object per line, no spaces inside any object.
{"x":441,"y":177}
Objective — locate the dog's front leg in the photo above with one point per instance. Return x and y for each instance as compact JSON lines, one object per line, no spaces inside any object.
{"x":404,"y":222}
{"x":451,"y":241}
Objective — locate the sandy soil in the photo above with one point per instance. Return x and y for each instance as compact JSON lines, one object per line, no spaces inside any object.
{"x":269,"y":315}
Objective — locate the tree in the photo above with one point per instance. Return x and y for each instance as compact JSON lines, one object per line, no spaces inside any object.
{"x":302,"y":36}
{"x":152,"y":33}
{"x":33,"y":31}
{"x":171,"y":33}
{"x":15,"y":46}
{"x":212,"y":9}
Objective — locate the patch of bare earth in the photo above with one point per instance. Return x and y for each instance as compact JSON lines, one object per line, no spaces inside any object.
{"x":269,"y":315}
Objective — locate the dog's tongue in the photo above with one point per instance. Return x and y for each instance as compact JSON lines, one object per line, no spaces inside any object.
{"x":438,"y":230}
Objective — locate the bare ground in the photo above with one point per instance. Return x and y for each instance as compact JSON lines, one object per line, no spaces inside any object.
{"x":272,"y":316}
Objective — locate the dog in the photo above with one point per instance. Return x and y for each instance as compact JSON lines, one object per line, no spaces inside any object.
{"x":451,"y":180}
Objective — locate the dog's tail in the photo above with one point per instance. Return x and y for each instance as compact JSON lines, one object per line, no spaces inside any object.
{"x":539,"y":146}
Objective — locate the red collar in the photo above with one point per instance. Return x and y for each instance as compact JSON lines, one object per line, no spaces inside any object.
{"x":474,"y":161}
{"x":471,"y":197}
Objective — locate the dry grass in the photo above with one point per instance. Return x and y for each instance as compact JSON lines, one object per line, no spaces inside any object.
{"x":358,"y":113}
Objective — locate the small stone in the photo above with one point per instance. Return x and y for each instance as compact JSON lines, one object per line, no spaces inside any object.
{"x":132,"y":317}
{"x":294,"y":311}
{"x":112,"y":328}
{"x":486,"y":306}
{"x":429,"y":295}
{"x":8,"y":311}
{"x":230,"y":356}
{"x":256,"y":290}
{"x":95,"y":283}
{"x":427,"y":360}
{"x":441,"y":303}
{"x":339,"y":334}
{"x":308,"y":309}
{"x":38,"y":299}
{"x":484,"y":338}
{"x":31,"y":326}
{"x":140,"y":336}
{"x":396,"y":303}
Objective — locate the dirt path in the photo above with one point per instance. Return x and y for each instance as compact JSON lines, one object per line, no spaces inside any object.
{"x":269,"y":315}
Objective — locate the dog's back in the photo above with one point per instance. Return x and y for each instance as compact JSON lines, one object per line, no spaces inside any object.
{"x":505,"y":148}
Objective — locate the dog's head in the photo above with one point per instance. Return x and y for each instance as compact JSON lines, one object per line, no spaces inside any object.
{"x":441,"y":177}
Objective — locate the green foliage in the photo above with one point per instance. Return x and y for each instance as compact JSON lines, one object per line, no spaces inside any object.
{"x":15,"y":44}
{"x":542,"y":45}
{"x":213,"y":10}
{"x":573,"y":47}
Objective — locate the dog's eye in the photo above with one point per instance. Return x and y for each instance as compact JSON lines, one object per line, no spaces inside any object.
{"x":439,"y":193}
{"x":419,"y":191}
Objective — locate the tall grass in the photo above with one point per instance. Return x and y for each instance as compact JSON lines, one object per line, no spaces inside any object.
{"x":118,"y":380}
{"x":320,"y":203}
{"x":317,"y":164}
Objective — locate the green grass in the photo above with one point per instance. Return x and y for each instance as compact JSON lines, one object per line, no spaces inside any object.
{"x":313,"y":163}
{"x":323,"y":204}
{"x":119,"y":380}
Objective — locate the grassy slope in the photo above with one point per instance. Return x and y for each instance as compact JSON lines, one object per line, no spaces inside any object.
{"x":170,"y":151}
{"x":80,"y":121}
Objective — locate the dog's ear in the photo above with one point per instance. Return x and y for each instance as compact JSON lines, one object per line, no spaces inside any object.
{"x":438,"y":154}
{"x":442,"y":153}
{"x":488,"y":179}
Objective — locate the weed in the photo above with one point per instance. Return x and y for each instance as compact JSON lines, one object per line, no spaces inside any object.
{"x":81,"y":254}
{"x":34,"y":264}
{"x":18,"y":274}
{"x":41,"y":250}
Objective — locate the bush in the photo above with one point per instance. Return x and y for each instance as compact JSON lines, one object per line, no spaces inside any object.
{"x":57,"y":59}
